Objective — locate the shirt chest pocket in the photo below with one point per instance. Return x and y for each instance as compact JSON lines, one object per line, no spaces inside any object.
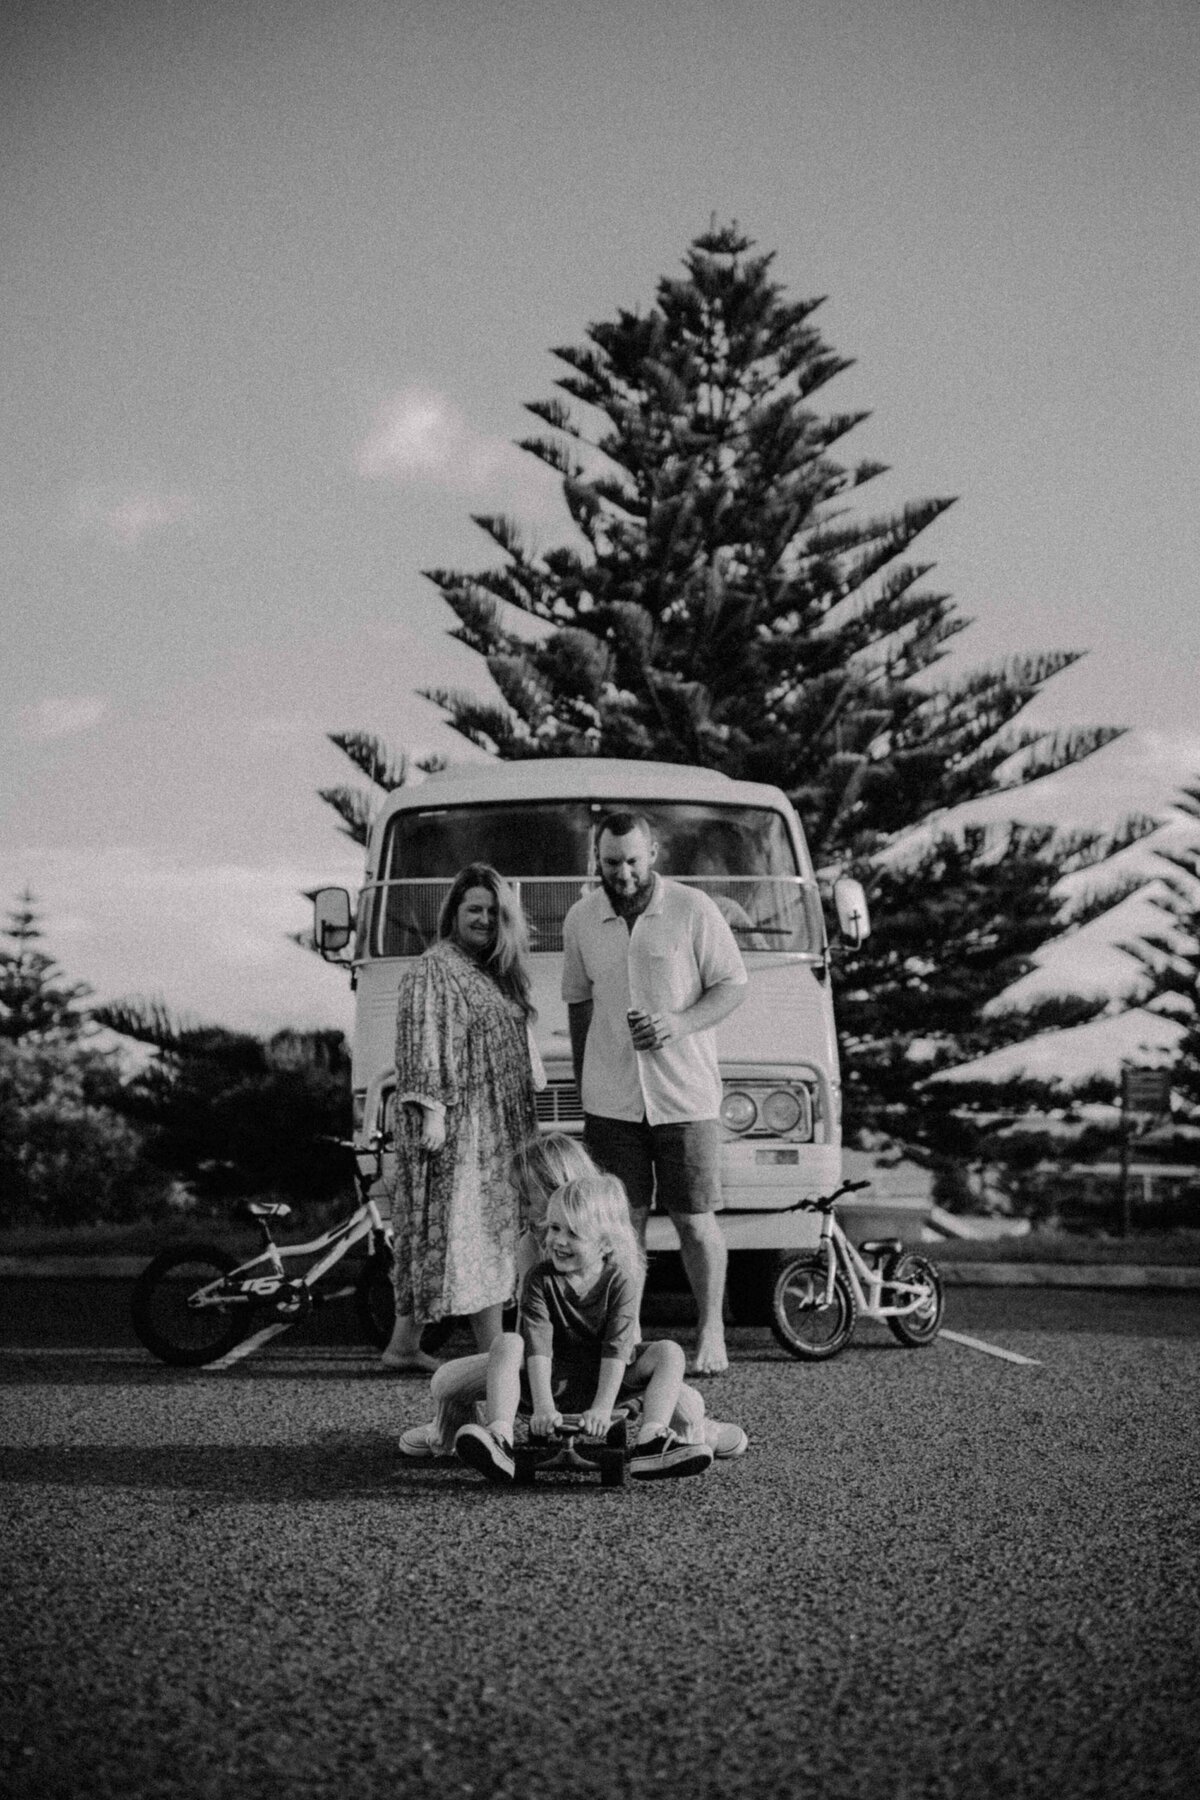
{"x":665,"y":971}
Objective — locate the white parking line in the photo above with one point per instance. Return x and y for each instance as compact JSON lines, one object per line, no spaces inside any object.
{"x":248,"y":1345}
{"x":990,"y":1349}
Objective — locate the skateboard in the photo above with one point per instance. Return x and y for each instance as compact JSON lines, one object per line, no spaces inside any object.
{"x":569,"y":1452}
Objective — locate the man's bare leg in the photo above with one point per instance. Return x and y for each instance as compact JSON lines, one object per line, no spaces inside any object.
{"x":702,"y":1247}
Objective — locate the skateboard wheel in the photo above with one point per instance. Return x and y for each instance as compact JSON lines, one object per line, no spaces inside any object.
{"x":612,"y":1468}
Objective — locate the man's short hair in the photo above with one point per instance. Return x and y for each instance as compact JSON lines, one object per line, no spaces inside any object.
{"x":620,"y":824}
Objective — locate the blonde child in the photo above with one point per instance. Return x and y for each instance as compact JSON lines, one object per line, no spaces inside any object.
{"x":546,"y":1162}
{"x":579,"y":1343}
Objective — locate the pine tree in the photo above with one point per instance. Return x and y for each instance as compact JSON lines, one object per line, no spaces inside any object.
{"x":722,"y":604}
{"x":1172,"y":958}
{"x":232,"y":1113}
{"x":35,"y":1001}
{"x":385,"y":771}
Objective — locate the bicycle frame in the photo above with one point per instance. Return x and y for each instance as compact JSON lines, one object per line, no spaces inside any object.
{"x":365,"y":1219}
{"x":292,"y":1296}
{"x":866,"y":1283}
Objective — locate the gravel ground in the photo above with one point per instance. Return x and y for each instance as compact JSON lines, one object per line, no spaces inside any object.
{"x":935,"y":1574}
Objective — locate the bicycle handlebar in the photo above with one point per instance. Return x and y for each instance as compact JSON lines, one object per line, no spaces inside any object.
{"x":826,"y":1202}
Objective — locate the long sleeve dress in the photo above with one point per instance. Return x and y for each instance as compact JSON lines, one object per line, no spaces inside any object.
{"x":461,"y":1044}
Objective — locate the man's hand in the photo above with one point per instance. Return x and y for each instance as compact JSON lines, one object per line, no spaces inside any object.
{"x":542,"y":1423}
{"x":650,"y":1031}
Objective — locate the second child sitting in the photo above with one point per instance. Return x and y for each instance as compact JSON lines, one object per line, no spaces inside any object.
{"x":579,"y":1343}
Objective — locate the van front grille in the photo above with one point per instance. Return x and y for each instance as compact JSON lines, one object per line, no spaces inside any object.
{"x":559,"y":1104}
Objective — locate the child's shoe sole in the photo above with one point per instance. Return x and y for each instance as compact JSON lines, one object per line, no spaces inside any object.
{"x":475,"y":1446}
{"x":665,"y":1465}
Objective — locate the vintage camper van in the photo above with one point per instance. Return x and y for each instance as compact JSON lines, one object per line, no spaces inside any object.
{"x":534,"y":821}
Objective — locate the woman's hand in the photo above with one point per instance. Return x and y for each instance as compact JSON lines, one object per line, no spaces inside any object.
{"x":542,"y":1423}
{"x":433,"y":1132}
{"x":596,"y":1421}
{"x":433,"y":1128}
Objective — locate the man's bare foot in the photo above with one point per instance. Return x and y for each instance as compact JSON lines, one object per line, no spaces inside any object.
{"x":711,"y":1357}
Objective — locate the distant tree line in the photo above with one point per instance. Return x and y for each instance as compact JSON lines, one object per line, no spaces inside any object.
{"x":204,"y":1116}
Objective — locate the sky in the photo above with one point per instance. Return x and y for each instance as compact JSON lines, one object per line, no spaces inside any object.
{"x":279,"y":276}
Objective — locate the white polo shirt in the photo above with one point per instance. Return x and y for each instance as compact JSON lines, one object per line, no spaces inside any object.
{"x":679,"y":947}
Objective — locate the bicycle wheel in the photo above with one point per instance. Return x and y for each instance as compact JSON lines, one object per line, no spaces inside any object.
{"x":922,"y":1326}
{"x":375,"y":1301}
{"x":182,"y":1335}
{"x":804,"y":1322}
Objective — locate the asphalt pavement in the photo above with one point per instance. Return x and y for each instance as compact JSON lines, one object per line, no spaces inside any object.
{"x":936,"y":1573}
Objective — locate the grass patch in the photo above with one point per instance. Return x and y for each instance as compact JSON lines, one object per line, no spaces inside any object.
{"x":1141,"y":1248}
{"x":144,"y":1237}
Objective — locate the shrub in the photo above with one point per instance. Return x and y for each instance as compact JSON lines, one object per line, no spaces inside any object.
{"x":64,"y":1160}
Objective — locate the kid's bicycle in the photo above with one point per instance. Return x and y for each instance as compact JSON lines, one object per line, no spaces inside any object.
{"x":820,"y":1294}
{"x":196,"y":1305}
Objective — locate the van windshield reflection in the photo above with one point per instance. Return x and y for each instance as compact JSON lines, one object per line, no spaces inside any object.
{"x":742,"y":856}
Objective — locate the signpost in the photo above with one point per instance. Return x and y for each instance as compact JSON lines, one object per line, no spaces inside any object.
{"x":1145,"y":1096}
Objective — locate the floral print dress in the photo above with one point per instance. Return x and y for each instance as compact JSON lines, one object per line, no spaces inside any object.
{"x":463,"y":1044}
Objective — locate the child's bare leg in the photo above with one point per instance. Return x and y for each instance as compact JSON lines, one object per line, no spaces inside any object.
{"x":455,"y":1390}
{"x":663,"y":1361}
{"x":687,"y":1421}
{"x":504,"y":1382}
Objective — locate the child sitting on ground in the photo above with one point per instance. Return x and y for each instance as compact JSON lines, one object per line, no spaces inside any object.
{"x":545,"y":1163}
{"x":579,"y":1343}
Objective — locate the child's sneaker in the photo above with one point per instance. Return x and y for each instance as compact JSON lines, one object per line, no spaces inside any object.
{"x":726,"y":1441}
{"x":422,"y":1444}
{"x":665,"y":1456}
{"x":486,"y":1451}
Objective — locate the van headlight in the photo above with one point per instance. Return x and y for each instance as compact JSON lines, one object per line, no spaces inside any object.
{"x":782,"y":1111}
{"x":777,"y":1109}
{"x":738,"y":1111}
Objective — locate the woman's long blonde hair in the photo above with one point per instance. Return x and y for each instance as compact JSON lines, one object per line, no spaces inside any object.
{"x":597,"y":1206}
{"x":508,"y":961}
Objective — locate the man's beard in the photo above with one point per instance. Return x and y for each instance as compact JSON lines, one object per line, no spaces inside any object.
{"x":633,"y":902}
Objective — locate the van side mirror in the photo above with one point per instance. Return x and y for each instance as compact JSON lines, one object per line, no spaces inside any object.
{"x":333,"y":922}
{"x":854,"y":919}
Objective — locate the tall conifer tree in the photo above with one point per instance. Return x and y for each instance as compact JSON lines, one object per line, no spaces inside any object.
{"x":723,"y":604}
{"x":36,"y":1002}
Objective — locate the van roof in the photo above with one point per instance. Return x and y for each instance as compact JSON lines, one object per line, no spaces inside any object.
{"x":583,"y":778}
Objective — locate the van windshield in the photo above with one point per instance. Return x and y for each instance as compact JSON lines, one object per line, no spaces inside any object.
{"x":743,"y":856}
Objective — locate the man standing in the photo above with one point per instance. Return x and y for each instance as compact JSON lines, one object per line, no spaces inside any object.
{"x":649,"y":968}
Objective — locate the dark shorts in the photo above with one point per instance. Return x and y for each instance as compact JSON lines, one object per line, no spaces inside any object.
{"x":574,"y":1383}
{"x":680,"y":1163}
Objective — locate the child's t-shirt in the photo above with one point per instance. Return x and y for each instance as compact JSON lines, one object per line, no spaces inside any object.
{"x":579,"y":1328}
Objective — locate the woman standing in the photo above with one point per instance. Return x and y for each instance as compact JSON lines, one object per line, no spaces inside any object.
{"x":464,"y":1103}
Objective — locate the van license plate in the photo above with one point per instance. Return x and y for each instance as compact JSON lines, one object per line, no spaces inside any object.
{"x":777,"y":1156}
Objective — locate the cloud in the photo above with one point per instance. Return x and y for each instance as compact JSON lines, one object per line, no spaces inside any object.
{"x":420,"y":436}
{"x":127,"y":519}
{"x":62,"y":715}
{"x":210,"y":939}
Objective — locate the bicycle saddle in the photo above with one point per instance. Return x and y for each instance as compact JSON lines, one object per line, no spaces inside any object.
{"x":882,"y":1247}
{"x":265,"y":1209}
